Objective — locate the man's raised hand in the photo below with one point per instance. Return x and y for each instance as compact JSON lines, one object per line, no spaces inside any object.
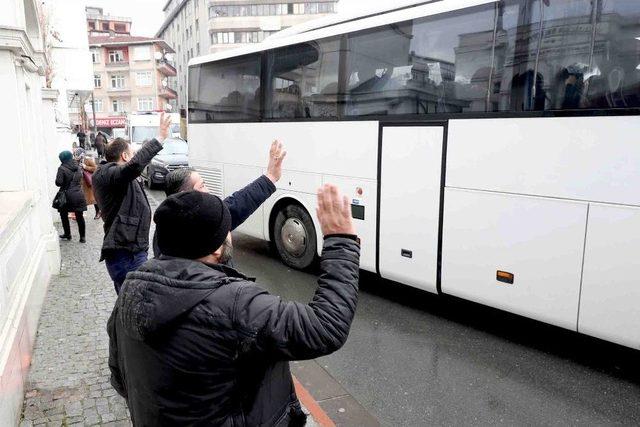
{"x":276,"y":156}
{"x":165,"y":125}
{"x":334,"y":211}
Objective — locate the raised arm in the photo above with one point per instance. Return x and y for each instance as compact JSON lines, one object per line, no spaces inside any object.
{"x":290,"y":330}
{"x":243,"y":203}
{"x":132,"y":169}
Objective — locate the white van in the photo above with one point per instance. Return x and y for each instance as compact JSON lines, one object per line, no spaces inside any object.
{"x":142,"y":126}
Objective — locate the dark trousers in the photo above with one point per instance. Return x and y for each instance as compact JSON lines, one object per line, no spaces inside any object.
{"x":120,"y":262}
{"x":64,"y":217}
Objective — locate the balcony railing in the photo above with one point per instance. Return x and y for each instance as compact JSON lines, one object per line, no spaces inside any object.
{"x":117,"y":64}
{"x":166,"y":68}
{"x":119,"y":89}
{"x":167,"y":93}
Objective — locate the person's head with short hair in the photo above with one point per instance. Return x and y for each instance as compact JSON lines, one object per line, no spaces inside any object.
{"x":194,"y":225}
{"x":184,"y":179}
{"x":118,"y":151}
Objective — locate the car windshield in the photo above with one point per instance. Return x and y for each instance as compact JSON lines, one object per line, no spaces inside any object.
{"x":174,"y":146}
{"x":142,"y":133}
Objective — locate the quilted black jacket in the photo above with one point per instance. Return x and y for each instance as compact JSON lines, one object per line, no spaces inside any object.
{"x":198,"y":344}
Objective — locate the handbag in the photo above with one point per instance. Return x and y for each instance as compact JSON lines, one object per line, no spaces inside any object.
{"x":87,"y":177}
{"x":60,"y":200}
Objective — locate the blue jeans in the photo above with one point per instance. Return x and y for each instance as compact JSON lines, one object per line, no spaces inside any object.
{"x":120,"y":262}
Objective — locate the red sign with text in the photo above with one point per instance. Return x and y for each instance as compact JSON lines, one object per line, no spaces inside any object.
{"x":111,"y":122}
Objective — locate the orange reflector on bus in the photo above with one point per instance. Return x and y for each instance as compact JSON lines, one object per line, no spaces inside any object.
{"x":504,"y":277}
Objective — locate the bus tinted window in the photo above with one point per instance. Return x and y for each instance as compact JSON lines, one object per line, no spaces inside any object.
{"x":225,"y":90}
{"x":304,"y":80}
{"x":563,"y":63}
{"x":516,"y":47}
{"x":429,"y":65}
{"x":615,"y":80}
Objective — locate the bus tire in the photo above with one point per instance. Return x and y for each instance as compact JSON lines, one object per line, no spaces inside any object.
{"x":295,"y":237}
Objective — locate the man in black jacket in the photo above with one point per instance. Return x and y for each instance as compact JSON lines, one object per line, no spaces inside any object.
{"x":124,"y":205}
{"x":243,"y":202}
{"x":193,"y":342}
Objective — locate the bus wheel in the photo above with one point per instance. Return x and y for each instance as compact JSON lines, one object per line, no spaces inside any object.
{"x":295,"y":237}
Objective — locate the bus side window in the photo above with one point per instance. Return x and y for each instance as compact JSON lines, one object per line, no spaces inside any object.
{"x":304,"y":80}
{"x":437,"y":64}
{"x":229,"y":90}
{"x":614,"y":81}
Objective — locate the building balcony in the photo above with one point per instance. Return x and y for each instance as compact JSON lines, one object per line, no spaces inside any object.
{"x":117,"y":64}
{"x":115,"y":91}
{"x":166,"y":68}
{"x":167,"y":93}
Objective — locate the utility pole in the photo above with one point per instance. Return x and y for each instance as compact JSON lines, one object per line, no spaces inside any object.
{"x":93,"y":111}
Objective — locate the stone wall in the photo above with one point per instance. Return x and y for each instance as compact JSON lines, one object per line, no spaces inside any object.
{"x":29,"y":249}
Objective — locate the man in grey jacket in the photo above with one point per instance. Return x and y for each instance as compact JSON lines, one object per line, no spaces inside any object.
{"x":194,"y":342}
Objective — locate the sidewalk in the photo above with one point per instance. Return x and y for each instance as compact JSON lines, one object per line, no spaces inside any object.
{"x":68,"y":380}
{"x":69,"y":376}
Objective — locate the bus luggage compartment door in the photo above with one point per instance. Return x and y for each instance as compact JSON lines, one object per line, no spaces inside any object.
{"x":410,"y":187}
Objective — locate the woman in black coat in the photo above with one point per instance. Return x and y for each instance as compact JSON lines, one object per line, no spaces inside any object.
{"x":69,"y":179}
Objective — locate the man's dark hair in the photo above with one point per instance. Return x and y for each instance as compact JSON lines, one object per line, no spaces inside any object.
{"x":177,"y":181}
{"x":115,"y":148}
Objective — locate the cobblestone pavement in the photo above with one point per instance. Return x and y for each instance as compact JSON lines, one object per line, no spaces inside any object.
{"x":69,"y":377}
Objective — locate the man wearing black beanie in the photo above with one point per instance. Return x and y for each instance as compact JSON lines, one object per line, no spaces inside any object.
{"x":194,"y":342}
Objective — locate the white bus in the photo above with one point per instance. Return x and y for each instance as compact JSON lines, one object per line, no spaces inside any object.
{"x":491,"y":148}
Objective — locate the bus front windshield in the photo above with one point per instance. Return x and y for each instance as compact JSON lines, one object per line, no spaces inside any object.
{"x":143,"y":133}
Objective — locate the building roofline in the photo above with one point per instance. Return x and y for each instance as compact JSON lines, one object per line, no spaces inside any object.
{"x":161,"y":42}
{"x":172,"y":15}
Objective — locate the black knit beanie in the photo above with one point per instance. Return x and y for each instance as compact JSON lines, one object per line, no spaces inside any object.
{"x":191,"y":225}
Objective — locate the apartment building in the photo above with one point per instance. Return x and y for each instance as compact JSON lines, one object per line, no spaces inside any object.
{"x":197,"y":27}
{"x":130,"y":73}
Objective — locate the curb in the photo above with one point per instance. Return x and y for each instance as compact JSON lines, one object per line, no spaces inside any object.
{"x":312,"y":406}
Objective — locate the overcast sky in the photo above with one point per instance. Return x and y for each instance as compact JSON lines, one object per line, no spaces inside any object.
{"x":147,"y":15}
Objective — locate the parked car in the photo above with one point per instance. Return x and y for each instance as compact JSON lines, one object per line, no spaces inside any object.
{"x":174,"y":155}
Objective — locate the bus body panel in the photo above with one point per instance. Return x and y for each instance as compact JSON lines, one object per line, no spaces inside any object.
{"x":577,"y":158}
{"x":312,"y":147}
{"x":540,"y":241}
{"x":235,"y":178}
{"x":610,"y":299}
{"x":410,"y":187}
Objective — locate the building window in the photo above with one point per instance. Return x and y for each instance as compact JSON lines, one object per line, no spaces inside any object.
{"x":141,"y":53}
{"x":97,"y":81}
{"x":97,"y":105}
{"x":92,"y":25}
{"x":143,"y":78}
{"x":117,"y":106}
{"x":120,"y":28}
{"x":116,"y":56}
{"x":117,"y":81}
{"x":105,"y":26}
{"x":198,"y":48}
{"x":145,"y":104}
{"x":95,"y":56}
{"x":298,"y":9}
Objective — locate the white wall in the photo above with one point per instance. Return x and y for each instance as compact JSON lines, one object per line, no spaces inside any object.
{"x":29,"y":249}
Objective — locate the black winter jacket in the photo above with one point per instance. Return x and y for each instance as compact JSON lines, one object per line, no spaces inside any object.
{"x":123,"y":202}
{"x":69,"y":177}
{"x":198,"y":344}
{"x":241,"y":204}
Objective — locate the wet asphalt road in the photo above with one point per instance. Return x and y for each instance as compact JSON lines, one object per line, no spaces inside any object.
{"x":416,"y":359}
